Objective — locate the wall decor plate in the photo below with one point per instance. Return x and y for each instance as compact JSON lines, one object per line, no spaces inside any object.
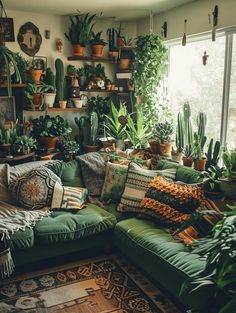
{"x":29,"y":38}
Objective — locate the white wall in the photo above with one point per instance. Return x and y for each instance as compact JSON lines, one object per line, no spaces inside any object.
{"x":58,"y":25}
{"x":197,"y":15}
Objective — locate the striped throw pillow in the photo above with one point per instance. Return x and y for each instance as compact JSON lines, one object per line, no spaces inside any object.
{"x":68,"y":198}
{"x":136,"y":185}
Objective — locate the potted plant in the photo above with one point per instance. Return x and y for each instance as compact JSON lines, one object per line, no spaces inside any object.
{"x":35,"y":95}
{"x":125,"y":59}
{"x":228,"y":181}
{"x":163,"y":133}
{"x":8,"y":66}
{"x":97,"y":45}
{"x":211,"y":182}
{"x":137,"y":132}
{"x":119,"y":38}
{"x":80,"y":32}
{"x":23,"y":66}
{"x":47,"y":129}
{"x":187,"y":158}
{"x":213,"y":154}
{"x":177,"y":154}
{"x":99,"y":72}
{"x":115,"y":124}
{"x":70,"y":148}
{"x":7,"y":137}
{"x":50,"y":94}
{"x":113,"y":50}
{"x":198,"y":155}
{"x":81,"y":76}
{"x":36,"y":70}
{"x":24,"y":145}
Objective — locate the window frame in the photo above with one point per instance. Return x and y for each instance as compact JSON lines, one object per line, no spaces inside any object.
{"x":229,"y":34}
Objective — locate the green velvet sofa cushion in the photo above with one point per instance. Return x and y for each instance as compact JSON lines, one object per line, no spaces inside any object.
{"x":71,"y":174}
{"x":22,"y":239}
{"x":183,"y":173}
{"x":63,"y":226}
{"x":167,"y":261}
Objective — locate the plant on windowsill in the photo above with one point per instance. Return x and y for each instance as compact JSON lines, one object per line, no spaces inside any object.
{"x":211,"y":179}
{"x":187,"y":158}
{"x":198,"y":155}
{"x":97,"y":45}
{"x":47,"y":129}
{"x":24,"y":145}
{"x":163,"y":133}
{"x":80,"y":32}
{"x":177,"y":154}
{"x":228,"y":181}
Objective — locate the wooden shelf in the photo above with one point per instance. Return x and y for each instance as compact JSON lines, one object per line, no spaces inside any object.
{"x":17,"y":157}
{"x":59,"y":110}
{"x":91,"y":59}
{"x":14,"y":86}
{"x":99,"y":90}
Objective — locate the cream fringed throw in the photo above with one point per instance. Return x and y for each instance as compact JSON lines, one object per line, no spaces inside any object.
{"x":12,"y":219}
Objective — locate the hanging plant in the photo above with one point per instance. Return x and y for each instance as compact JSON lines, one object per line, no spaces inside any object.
{"x":149,"y":68}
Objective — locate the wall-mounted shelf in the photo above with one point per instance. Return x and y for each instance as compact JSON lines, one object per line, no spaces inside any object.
{"x":59,"y":109}
{"x":14,"y":86}
{"x":91,"y":59}
{"x":99,"y":90}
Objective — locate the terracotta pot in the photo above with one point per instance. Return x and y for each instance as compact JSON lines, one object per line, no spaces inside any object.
{"x":124,"y":64}
{"x":78,"y":50}
{"x":36,"y":100}
{"x":200,"y":165}
{"x":113,"y":54}
{"x":88,"y":148}
{"x":97,"y":50}
{"x":63,"y":104}
{"x":165,"y":148}
{"x":176,"y":156}
{"x":36,"y":75}
{"x":187,"y":161}
{"x":228,"y":187}
{"x":6,"y":148}
{"x":109,"y":87}
{"x":154,"y":146}
{"x":48,"y":142}
{"x":120,"y":42}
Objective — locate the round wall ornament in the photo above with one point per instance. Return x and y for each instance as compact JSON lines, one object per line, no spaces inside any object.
{"x":29,"y":38}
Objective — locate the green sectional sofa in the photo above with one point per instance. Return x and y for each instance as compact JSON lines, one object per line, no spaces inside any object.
{"x":166,"y":261}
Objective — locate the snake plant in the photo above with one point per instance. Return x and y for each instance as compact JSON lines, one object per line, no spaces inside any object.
{"x":8,"y":61}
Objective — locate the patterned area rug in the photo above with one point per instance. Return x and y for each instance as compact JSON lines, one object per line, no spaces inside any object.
{"x":101,"y":285}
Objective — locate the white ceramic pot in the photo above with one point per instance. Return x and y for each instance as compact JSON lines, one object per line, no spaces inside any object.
{"x":49,"y":99}
{"x":78,"y":103}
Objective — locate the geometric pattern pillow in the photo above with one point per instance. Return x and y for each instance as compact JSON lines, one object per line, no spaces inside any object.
{"x":68,"y":198}
{"x":171,"y":204}
{"x":114,"y":182}
{"x":34,"y":189}
{"x":137,"y":182}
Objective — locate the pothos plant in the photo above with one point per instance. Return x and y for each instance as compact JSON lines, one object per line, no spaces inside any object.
{"x":149,"y":67}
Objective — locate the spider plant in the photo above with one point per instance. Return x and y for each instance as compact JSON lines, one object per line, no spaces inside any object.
{"x":7,"y":62}
{"x":138,"y":133}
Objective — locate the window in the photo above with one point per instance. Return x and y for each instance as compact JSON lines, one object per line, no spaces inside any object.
{"x":200,"y":85}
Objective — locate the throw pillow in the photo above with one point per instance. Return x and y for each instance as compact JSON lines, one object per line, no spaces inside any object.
{"x":71,"y":174}
{"x":68,"y":198}
{"x":34,"y":189}
{"x":170,"y":204}
{"x":136,"y":186}
{"x":93,"y":169}
{"x":114,"y":182}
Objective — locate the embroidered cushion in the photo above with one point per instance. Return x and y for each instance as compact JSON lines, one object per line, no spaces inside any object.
{"x":114,"y":182}
{"x":169,"y":203}
{"x":136,"y":186}
{"x":68,"y":198}
{"x":34,"y":189}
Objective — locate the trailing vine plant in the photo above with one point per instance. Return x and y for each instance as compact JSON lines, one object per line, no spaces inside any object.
{"x":149,"y":68}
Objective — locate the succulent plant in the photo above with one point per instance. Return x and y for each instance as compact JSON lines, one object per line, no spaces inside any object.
{"x":97,"y":40}
{"x":24,"y":144}
{"x":163,"y":132}
{"x":213,"y":155}
{"x":229,"y":159}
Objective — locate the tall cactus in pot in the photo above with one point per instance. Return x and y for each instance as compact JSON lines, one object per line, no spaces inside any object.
{"x":60,"y":80}
{"x":93,"y":128}
{"x":180,"y":142}
{"x":201,"y":122}
{"x":188,"y":124}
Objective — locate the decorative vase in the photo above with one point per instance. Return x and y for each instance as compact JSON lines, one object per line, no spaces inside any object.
{"x":124,"y":64}
{"x":228,"y":187}
{"x":49,"y":99}
{"x":199,"y":164}
{"x":88,"y":148}
{"x":78,"y":50}
{"x":97,"y":51}
{"x":165,"y":148}
{"x":48,"y":142}
{"x":176,"y":156}
{"x":36,"y":75}
{"x":187,"y":161}
{"x":63,"y":104}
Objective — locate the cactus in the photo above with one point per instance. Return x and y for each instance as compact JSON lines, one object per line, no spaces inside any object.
{"x":93,"y":128}
{"x":188,"y":124}
{"x":201,"y":122}
{"x":180,"y":133}
{"x":60,"y":82}
{"x":50,"y":78}
{"x":163,"y":132}
{"x":213,"y":158}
